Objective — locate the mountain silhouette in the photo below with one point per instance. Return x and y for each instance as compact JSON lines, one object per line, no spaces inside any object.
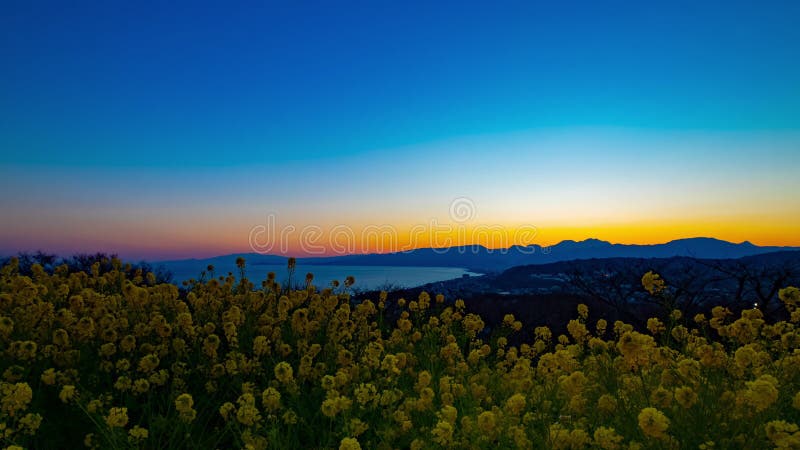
{"x":479,"y":258}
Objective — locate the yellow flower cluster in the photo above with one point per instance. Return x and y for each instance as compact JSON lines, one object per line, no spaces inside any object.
{"x":183,"y":404}
{"x":653,"y":423}
{"x":653,"y":283}
{"x":224,"y":364}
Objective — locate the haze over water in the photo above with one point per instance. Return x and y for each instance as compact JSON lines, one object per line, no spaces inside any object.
{"x":367,"y":277}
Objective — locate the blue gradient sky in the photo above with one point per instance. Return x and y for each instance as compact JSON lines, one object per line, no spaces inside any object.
{"x":169,"y":129}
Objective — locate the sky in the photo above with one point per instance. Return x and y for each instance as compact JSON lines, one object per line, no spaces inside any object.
{"x":164,"y":130}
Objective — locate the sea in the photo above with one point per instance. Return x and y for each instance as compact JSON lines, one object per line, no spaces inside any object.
{"x":366,"y":277}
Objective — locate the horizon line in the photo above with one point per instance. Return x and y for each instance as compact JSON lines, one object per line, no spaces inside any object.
{"x":290,"y":255}
{"x":327,"y":256}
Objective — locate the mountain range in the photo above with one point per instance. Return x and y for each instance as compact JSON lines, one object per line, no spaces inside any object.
{"x":479,"y":258}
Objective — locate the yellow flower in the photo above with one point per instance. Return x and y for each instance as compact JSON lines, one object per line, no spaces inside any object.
{"x":561,"y":438}
{"x":30,"y":423}
{"x":574,"y":383}
{"x":583,"y":311}
{"x":283,"y":372}
{"x":128,"y":343}
{"x":487,"y":421}
{"x":61,"y":338}
{"x":6,"y":326}
{"x":784,"y":435}
{"x":94,"y":405}
{"x":226,"y":409}
{"x":606,"y":404}
{"x":602,"y":324}
{"x":49,"y":377}
{"x":689,"y":369}
{"x":443,"y":433}
{"x":271,"y":399}
{"x":424,"y":300}
{"x":365,"y":393}
{"x":423,"y":380}
{"x":790,"y":296}
{"x":149,"y":363}
{"x":108,"y":349}
{"x":261,"y":346}
{"x":520,"y":437}
{"x":607,"y":438}
{"x":357,"y":427}
{"x":289,"y":417}
{"x":25,"y":350}
{"x":473,"y":324}
{"x":183,"y":404}
{"x":636,"y":348}
{"x":516,"y":404}
{"x":141,"y":386}
{"x":655,"y":326}
{"x":349,"y":444}
{"x":247,"y":414}
{"x":680,"y":333}
{"x":700,"y":319}
{"x":117,"y":417}
{"x":685,"y":396}
{"x":90,"y":441}
{"x":15,"y":397}
{"x":577,"y":330}
{"x":448,"y":414}
{"x":138,"y":433}
{"x":653,"y":423}
{"x":435,"y":377}
{"x":653,"y":283}
{"x":67,"y":393}
{"x":661,"y":397}
{"x":760,"y":393}
{"x":123,"y":383}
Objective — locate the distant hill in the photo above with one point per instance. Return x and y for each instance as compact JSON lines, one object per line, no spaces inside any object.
{"x":549,"y":293}
{"x":479,"y":258}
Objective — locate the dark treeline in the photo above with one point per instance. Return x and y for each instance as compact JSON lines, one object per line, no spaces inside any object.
{"x":548,"y":294}
{"x":83,"y":262}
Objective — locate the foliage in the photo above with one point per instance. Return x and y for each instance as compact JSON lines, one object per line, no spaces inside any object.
{"x":113,"y":359}
{"x":83,"y":262}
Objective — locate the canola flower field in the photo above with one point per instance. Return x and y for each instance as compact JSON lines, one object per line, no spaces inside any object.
{"x":100,"y":360}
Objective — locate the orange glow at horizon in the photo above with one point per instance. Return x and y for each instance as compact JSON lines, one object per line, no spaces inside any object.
{"x":537,"y":187}
{"x":331,"y":241}
{"x":180,"y":238}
